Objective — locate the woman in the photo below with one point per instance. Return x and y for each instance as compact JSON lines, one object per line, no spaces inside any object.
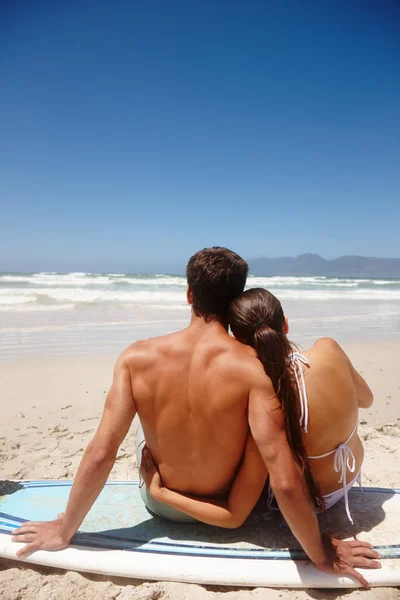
{"x":320,"y":392}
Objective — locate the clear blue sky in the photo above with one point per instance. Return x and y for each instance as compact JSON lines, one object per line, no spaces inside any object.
{"x":134,"y":133}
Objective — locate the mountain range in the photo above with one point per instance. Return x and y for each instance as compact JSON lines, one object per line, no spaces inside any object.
{"x":313,"y":264}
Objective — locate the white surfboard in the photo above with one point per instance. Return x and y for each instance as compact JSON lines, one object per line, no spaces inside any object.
{"x":119,"y":537}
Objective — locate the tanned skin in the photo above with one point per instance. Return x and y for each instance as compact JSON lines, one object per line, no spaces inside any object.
{"x":196,"y":392}
{"x":336,"y":392}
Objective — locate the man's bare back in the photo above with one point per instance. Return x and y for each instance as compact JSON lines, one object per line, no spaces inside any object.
{"x":191,"y":393}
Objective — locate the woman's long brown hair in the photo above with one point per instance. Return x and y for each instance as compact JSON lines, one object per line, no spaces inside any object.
{"x":256,"y":318}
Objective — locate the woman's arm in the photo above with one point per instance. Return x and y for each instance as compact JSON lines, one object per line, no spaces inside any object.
{"x":229,"y":513}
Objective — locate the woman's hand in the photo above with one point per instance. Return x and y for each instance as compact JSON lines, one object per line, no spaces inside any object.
{"x":150,"y":473}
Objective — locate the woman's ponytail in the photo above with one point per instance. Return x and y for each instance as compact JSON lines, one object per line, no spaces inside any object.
{"x":257,"y":318}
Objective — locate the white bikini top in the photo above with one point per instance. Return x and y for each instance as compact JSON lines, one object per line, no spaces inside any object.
{"x":343,"y":455}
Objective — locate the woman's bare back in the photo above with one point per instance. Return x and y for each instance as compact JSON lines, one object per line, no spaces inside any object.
{"x":333,"y":391}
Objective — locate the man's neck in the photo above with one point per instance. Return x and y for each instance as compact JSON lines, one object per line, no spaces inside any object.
{"x":200,"y":324}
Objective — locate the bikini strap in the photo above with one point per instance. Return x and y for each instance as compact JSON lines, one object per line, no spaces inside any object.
{"x":352,"y":433}
{"x":298,"y":360}
{"x":337,"y":447}
{"x":344,"y":459}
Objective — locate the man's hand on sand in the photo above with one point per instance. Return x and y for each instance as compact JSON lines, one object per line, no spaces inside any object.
{"x":352,"y":555}
{"x":41,"y":535}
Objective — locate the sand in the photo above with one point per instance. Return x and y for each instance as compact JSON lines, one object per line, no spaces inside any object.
{"x":50,"y":410}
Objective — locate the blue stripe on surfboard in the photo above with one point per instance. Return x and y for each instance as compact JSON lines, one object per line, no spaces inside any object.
{"x":10,"y":523}
{"x":12,"y":518}
{"x":165,"y":548}
{"x":387,"y":552}
{"x":104,"y":540}
{"x":113,"y":542}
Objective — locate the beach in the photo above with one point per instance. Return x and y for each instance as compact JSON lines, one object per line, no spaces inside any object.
{"x":148,"y":143}
{"x":54,"y":376}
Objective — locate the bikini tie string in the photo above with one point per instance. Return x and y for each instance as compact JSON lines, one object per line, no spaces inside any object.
{"x":344,"y":459}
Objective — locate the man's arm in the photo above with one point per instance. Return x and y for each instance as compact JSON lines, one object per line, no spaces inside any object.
{"x":266,"y":419}
{"x":96,"y":464}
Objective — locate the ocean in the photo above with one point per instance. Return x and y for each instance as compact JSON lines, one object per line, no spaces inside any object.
{"x":46,"y":314}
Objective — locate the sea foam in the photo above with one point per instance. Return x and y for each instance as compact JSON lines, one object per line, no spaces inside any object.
{"x":47,"y":312}
{"x":119,"y":289}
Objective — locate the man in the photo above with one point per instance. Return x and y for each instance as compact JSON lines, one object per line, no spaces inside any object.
{"x":196,"y":391}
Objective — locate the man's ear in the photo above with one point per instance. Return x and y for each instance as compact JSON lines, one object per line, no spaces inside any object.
{"x":189,"y":295}
{"x":286,"y":325}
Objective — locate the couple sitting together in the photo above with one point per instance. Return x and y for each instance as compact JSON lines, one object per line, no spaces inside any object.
{"x":221,"y":416}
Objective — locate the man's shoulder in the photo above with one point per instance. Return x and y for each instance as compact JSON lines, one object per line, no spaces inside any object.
{"x":242,"y":361}
{"x":141,"y":351}
{"x":246,"y":372}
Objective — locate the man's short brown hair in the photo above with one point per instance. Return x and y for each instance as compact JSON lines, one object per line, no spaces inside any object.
{"x":215,"y":277}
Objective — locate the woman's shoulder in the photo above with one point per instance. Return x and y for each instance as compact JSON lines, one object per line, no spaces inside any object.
{"x":323,"y":343}
{"x":327,"y":343}
{"x":327,"y":347}
{"x":321,"y":347}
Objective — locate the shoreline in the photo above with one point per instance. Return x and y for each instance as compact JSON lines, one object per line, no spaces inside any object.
{"x":51,"y":408}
